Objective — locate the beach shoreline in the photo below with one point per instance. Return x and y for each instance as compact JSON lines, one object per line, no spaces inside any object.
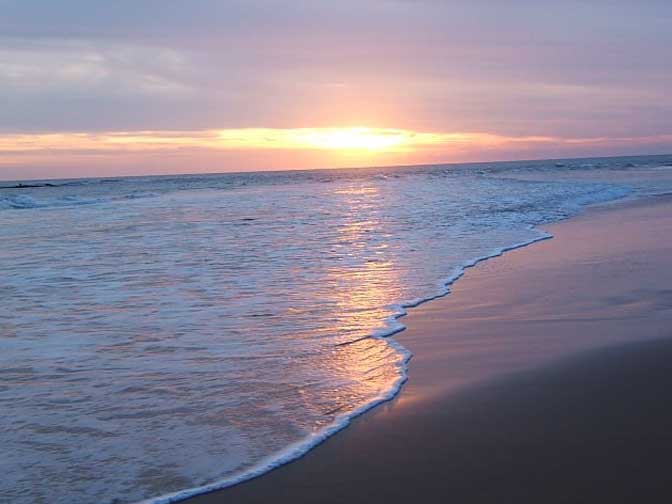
{"x":588,"y":240}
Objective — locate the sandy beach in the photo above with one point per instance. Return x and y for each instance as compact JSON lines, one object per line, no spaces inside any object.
{"x":542,"y":377}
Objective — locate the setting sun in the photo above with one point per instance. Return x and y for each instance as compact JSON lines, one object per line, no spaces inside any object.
{"x":359,"y":138}
{"x":355,"y":138}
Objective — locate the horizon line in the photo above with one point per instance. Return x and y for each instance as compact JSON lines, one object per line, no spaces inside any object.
{"x":335,"y":168}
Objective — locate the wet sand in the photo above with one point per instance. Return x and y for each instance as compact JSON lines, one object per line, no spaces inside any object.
{"x":544,"y":377}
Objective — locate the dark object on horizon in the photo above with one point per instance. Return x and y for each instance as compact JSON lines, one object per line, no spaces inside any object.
{"x":28,"y":186}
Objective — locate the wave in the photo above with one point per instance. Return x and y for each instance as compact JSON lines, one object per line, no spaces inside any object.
{"x":392,"y":326}
{"x":24,"y":201}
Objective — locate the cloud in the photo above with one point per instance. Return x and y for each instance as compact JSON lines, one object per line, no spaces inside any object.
{"x":329,"y":139}
{"x":117,"y":152}
{"x":94,"y":68}
{"x":527,"y":69}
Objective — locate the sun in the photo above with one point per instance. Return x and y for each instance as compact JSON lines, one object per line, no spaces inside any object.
{"x":356,"y":138}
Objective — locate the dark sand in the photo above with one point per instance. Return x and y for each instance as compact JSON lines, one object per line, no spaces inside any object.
{"x":545,"y":377}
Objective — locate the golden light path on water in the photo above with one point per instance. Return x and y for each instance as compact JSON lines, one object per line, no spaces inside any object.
{"x":362,"y":295}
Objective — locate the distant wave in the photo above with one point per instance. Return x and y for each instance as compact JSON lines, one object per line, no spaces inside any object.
{"x":24,"y":201}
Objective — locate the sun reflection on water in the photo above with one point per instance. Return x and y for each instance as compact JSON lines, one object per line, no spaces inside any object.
{"x":363,"y":289}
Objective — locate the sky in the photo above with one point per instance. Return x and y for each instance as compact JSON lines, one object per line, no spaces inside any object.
{"x":92,"y":88}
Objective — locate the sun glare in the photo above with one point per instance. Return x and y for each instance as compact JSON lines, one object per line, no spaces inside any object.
{"x":357,"y":142}
{"x":353,"y":139}
{"x":358,"y":138}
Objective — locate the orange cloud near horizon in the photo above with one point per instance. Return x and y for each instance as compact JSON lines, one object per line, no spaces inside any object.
{"x":279,"y":148}
{"x":338,"y":139}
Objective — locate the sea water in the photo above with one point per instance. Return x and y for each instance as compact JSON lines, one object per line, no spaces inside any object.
{"x":160,"y":336}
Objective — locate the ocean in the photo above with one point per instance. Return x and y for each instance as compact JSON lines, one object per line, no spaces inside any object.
{"x":163,"y":336}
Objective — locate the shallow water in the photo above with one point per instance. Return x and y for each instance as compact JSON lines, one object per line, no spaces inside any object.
{"x":159,"y":334}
